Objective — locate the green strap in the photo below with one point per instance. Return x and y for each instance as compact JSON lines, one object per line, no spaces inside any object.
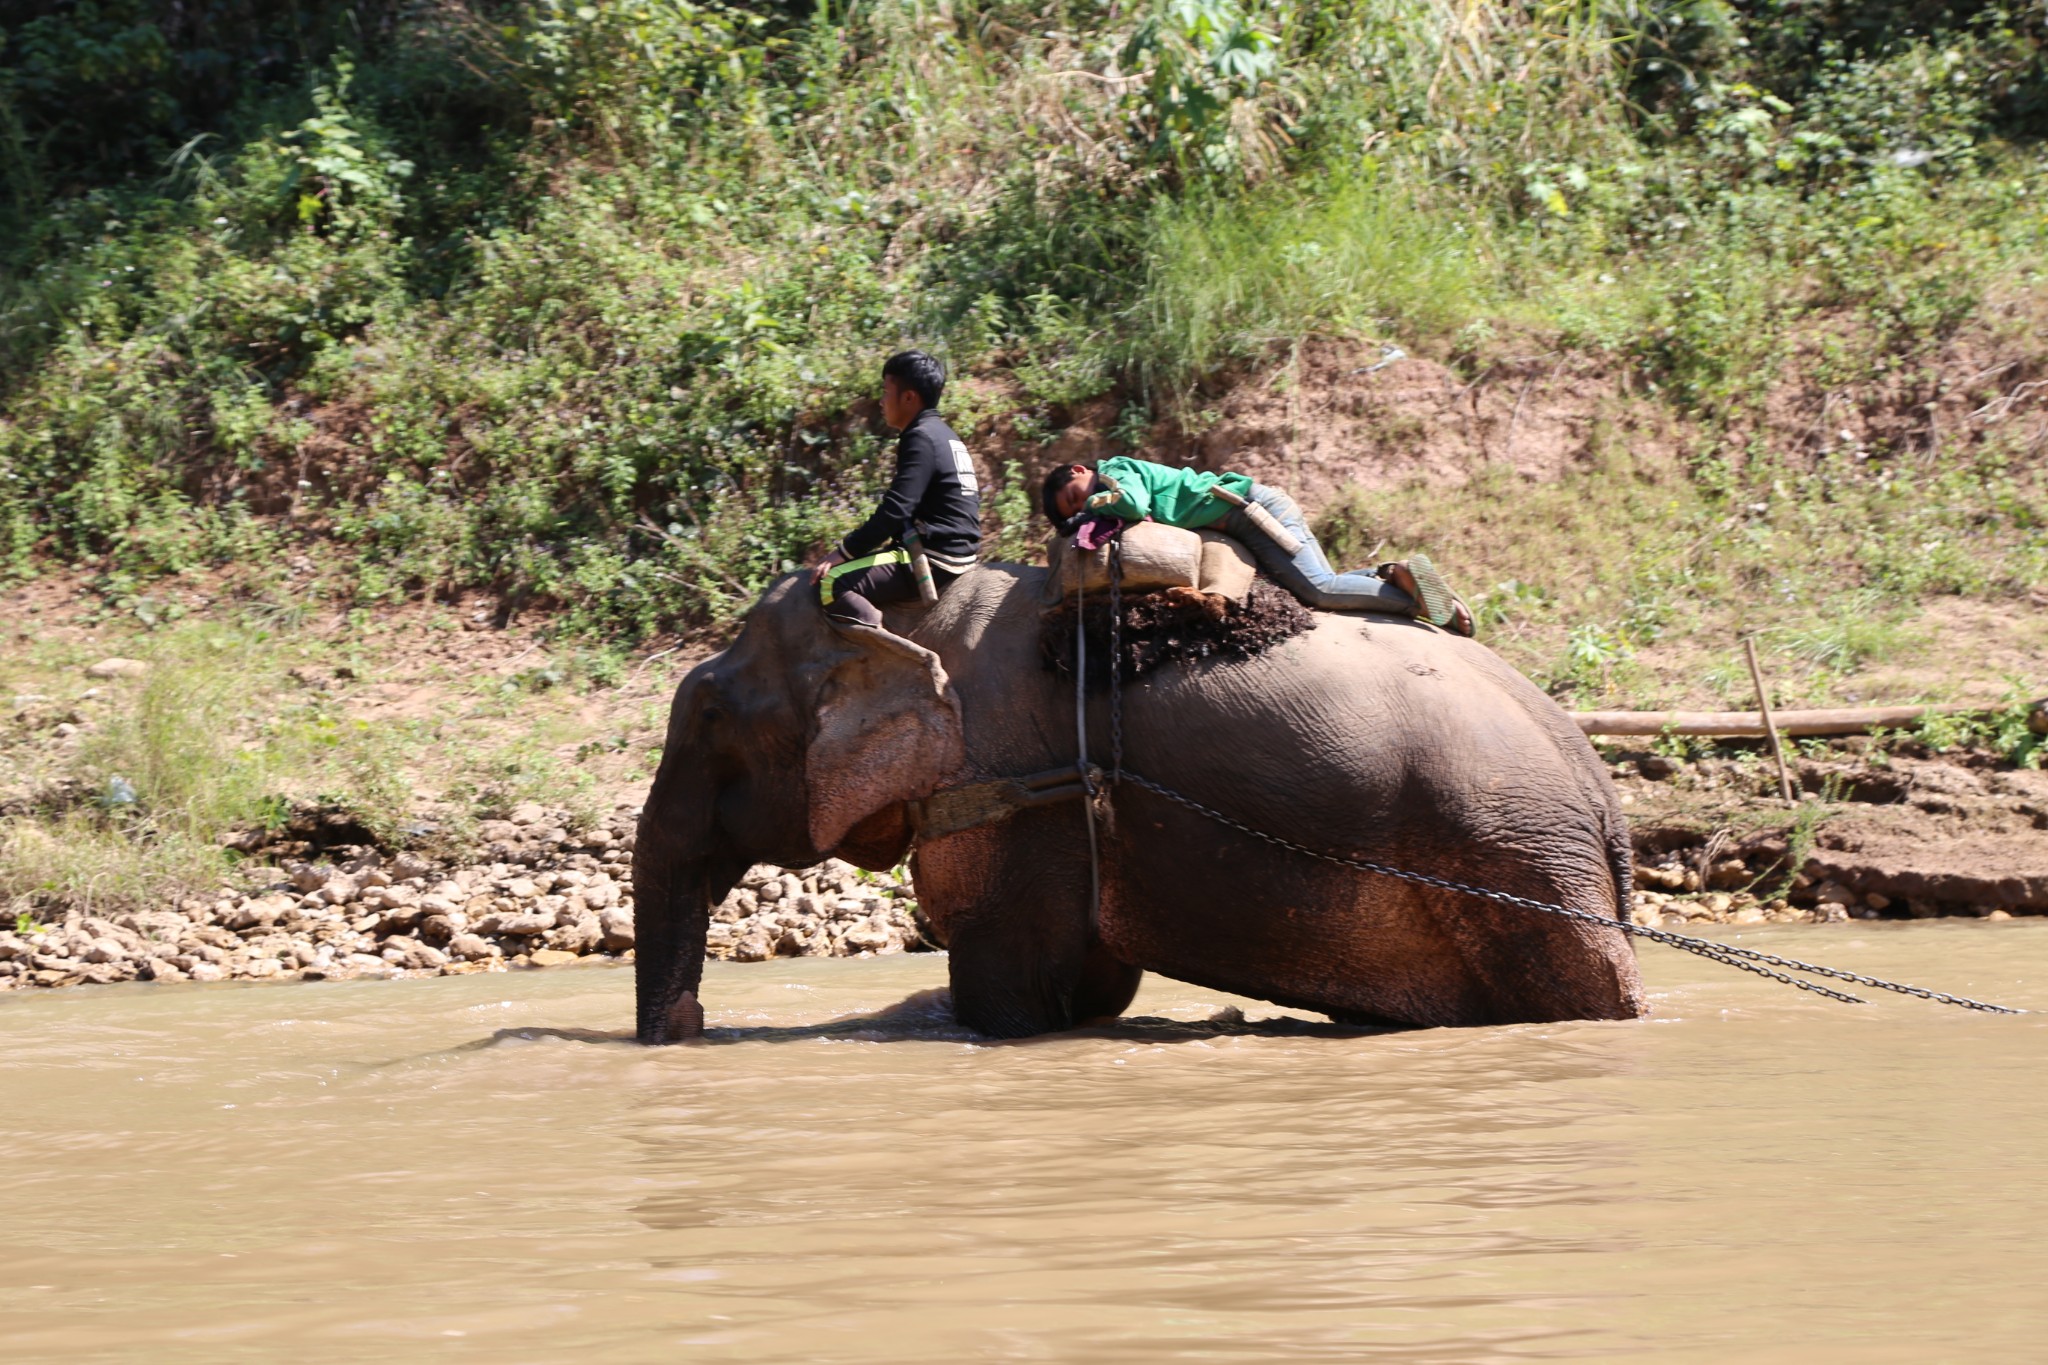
{"x":829,"y":583}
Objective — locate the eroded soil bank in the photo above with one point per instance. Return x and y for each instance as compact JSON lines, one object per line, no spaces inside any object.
{"x":1877,"y":833}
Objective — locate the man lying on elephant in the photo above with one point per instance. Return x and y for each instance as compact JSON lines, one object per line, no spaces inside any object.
{"x":933,"y":500}
{"x":1264,"y":519}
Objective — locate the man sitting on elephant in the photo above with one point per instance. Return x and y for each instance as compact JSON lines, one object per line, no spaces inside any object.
{"x":934,"y":498}
{"x":1130,"y":489}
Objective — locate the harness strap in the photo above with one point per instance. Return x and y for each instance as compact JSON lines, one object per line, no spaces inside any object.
{"x":829,"y":583}
{"x":971,"y":805}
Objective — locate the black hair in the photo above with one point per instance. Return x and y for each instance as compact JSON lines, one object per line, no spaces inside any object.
{"x":1056,"y":478}
{"x":918,"y":372}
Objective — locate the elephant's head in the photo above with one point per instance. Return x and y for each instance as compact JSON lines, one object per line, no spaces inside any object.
{"x":801,"y":741}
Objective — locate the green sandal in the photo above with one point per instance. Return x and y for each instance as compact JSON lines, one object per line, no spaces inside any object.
{"x":1439,"y":604}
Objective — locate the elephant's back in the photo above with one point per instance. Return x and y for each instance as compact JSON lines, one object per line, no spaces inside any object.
{"x":1459,"y":710}
{"x":1414,"y":695}
{"x":1379,"y":739}
{"x":1427,"y":709}
{"x":1374,"y":731}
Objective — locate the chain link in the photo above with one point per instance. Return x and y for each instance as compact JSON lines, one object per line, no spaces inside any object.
{"x":1734,"y":955}
{"x":1116,"y":660}
{"x":1081,"y":762}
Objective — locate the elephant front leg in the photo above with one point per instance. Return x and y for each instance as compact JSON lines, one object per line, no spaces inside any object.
{"x":1024,"y":958}
{"x":1008,"y":983}
{"x":1106,"y":987}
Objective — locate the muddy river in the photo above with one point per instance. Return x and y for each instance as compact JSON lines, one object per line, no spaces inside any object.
{"x":478,"y":1168}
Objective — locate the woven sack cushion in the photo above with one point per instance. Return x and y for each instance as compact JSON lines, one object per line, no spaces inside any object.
{"x":1154,"y":557}
{"x":1227,"y":567}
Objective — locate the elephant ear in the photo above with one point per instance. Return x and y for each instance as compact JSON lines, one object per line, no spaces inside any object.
{"x":888,"y":730}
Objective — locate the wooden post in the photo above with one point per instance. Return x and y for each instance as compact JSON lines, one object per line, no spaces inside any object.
{"x":1763,"y":704}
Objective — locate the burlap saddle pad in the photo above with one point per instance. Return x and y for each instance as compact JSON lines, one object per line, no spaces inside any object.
{"x":1230,"y":614}
{"x":1155,"y":557}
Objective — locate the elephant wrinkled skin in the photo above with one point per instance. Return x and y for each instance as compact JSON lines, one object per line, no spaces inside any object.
{"x":1369,"y":736}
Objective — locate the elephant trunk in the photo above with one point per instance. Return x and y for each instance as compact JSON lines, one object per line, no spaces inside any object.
{"x":672,"y":910}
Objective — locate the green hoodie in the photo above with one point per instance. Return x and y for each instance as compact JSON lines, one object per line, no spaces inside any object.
{"x":1138,"y":489}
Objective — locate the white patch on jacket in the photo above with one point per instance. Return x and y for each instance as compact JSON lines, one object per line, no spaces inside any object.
{"x":963,"y":469}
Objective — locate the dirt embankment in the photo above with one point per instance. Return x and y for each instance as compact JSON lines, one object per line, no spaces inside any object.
{"x":1328,"y":419}
{"x":1333,"y":414}
{"x":1881,"y":835}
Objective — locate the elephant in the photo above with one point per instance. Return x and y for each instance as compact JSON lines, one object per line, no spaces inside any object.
{"x":1370,"y":737}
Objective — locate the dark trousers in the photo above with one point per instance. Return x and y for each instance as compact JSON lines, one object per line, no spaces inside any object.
{"x":860,"y":596}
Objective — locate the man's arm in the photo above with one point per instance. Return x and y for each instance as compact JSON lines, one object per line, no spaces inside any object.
{"x":1120,"y":498}
{"x":916,"y":463}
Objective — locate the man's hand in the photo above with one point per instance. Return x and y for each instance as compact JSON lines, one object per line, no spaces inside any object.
{"x":826,"y":565}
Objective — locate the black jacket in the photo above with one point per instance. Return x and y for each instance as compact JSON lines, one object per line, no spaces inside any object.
{"x":934,"y":487}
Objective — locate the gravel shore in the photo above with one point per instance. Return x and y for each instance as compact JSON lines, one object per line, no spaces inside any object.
{"x":536,"y":895}
{"x":569,"y":901}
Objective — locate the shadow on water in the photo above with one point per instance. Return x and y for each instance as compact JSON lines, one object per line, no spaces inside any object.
{"x":927,"y":1017}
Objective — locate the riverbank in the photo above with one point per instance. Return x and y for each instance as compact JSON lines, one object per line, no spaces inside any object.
{"x":200,"y":784}
{"x":1884,"y":834}
{"x":1879,"y":830}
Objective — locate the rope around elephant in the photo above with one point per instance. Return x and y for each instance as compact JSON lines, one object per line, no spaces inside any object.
{"x":1730,"y":954}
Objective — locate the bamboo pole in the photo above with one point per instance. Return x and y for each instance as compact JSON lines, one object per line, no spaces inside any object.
{"x":1763,"y":702}
{"x":1750,"y":724}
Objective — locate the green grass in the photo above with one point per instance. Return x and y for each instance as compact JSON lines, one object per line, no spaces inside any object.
{"x":1629,"y":585}
{"x":217,"y":739}
{"x":75,"y":860}
{"x":181,"y":760}
{"x":1860,"y":626}
{"x":1231,"y":278}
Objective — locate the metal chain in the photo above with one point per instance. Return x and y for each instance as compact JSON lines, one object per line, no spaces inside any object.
{"x":1116,"y":660}
{"x":1734,"y":955}
{"x":1081,"y":746}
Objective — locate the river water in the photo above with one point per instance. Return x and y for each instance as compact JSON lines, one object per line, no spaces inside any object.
{"x":481,"y":1168}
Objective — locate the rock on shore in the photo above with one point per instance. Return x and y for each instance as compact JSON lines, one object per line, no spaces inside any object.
{"x":545,"y":897}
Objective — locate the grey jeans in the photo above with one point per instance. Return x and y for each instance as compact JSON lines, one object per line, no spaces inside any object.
{"x":1307,"y":574}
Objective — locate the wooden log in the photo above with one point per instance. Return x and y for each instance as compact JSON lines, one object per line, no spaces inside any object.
{"x":1750,"y":724}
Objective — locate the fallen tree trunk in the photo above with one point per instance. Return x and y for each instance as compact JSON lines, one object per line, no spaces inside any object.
{"x":1850,"y":721}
